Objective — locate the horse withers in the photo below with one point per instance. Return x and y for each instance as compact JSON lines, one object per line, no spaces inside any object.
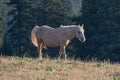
{"x":53,"y":37}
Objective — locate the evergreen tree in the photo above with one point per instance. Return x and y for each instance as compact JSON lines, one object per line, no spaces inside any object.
{"x":18,"y":28}
{"x":1,"y":29}
{"x":51,"y":12}
{"x":26,"y":14}
{"x":102,"y":28}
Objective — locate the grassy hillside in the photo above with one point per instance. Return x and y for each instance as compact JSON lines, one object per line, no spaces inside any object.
{"x":14,"y":68}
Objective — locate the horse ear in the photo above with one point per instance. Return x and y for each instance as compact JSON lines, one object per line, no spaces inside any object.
{"x":61,"y":25}
{"x":82,"y":25}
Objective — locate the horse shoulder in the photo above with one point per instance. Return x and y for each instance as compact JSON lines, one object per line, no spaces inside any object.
{"x":63,"y":39}
{"x":61,"y":34}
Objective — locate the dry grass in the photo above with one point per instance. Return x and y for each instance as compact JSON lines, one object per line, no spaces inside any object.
{"x":14,"y":68}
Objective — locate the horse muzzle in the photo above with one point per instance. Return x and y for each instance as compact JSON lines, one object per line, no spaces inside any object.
{"x":82,"y":40}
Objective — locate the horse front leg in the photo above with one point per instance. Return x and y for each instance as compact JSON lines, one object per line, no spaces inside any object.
{"x":62,"y":52}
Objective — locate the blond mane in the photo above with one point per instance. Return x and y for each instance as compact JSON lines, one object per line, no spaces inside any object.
{"x":68,"y":26}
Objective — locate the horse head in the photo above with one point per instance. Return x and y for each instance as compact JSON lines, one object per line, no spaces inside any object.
{"x":79,"y":33}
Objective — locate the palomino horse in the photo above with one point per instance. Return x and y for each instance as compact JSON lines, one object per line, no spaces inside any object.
{"x":47,"y":36}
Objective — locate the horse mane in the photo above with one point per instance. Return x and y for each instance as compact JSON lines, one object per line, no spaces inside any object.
{"x":64,"y":26}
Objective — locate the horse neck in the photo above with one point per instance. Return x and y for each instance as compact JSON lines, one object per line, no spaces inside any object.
{"x":70,"y":33}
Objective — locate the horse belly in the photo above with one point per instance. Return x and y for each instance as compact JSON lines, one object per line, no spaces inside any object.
{"x":52,"y":44}
{"x":51,"y":41}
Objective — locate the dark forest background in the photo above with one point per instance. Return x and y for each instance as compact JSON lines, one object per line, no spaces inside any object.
{"x":100,"y":17}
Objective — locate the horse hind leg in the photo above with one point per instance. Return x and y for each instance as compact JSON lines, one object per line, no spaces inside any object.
{"x":64,"y":53}
{"x":40,"y":47}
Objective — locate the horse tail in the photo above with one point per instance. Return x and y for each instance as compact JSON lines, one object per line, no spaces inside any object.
{"x":33,"y":36}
